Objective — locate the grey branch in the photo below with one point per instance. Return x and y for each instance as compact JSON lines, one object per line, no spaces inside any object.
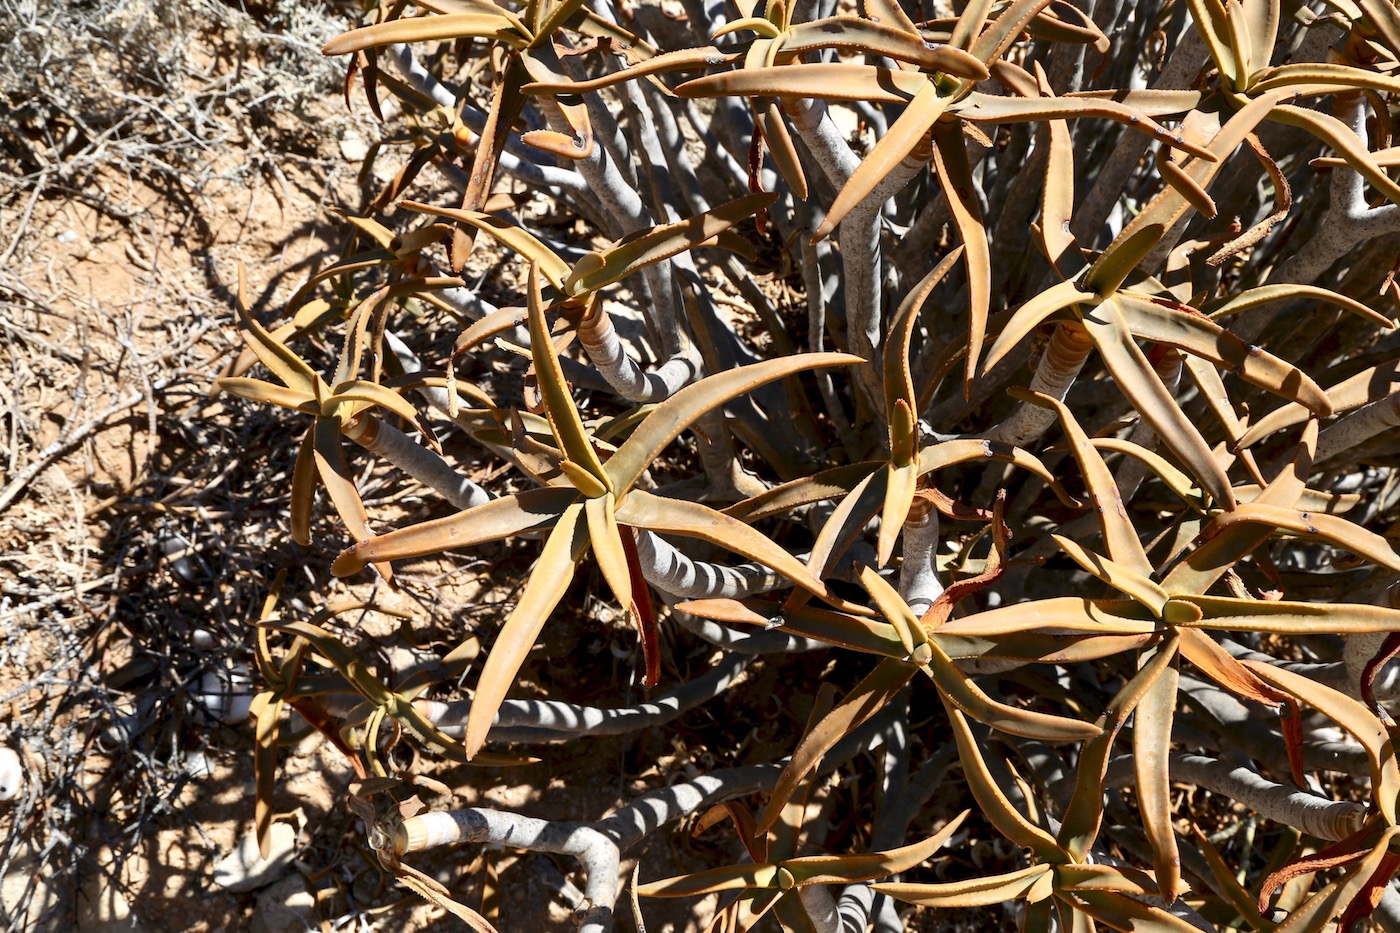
{"x":604,"y":348}
{"x":596,"y":853}
{"x":556,"y":720}
{"x":424,"y":465}
{"x":670,"y":571}
{"x":1283,"y":803}
{"x":918,"y":573}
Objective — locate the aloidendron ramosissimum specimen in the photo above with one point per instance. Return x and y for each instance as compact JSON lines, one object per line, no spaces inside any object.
{"x":1093,"y":492}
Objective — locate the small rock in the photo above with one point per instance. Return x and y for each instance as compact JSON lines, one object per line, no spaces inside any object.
{"x":198,"y":765}
{"x":245,"y":869}
{"x":177,"y":551}
{"x":286,"y":907}
{"x":11,"y":774}
{"x":353,"y":147}
{"x":68,"y":236}
{"x":226,"y":694}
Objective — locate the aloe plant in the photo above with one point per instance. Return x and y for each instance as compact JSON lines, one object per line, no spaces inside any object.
{"x":594,"y":506}
{"x":1104,"y":501}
